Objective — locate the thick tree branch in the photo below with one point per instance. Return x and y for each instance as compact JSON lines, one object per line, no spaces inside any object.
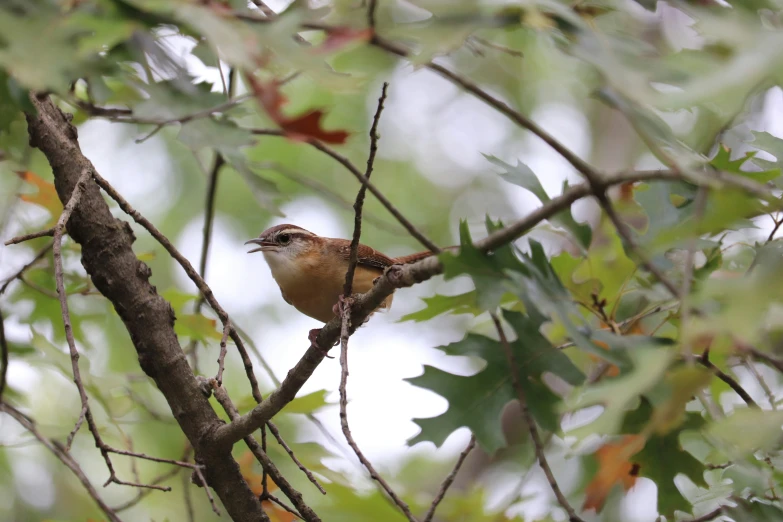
{"x":192,"y":274}
{"x":108,"y":258}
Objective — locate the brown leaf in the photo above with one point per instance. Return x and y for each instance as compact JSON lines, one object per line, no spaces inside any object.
{"x":342,"y":36}
{"x":614,"y":466}
{"x":46,"y":196}
{"x":301,"y":128}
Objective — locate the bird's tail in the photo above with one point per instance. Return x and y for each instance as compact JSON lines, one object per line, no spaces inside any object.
{"x":412,"y":258}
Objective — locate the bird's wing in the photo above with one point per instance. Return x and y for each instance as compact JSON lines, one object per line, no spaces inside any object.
{"x":368,"y":256}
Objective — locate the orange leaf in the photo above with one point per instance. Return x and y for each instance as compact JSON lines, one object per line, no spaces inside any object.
{"x":46,"y":196}
{"x":341,"y":36}
{"x":255,"y":481}
{"x":614,"y":466}
{"x":626,"y":191}
{"x":301,"y":128}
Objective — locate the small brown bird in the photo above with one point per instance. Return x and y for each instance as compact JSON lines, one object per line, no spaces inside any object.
{"x":310,"y":269}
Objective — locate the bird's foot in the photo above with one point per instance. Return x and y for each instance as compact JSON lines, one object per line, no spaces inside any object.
{"x":339,"y":307}
{"x":313,"y":337}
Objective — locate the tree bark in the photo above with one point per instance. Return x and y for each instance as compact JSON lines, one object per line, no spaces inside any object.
{"x":108,"y":258}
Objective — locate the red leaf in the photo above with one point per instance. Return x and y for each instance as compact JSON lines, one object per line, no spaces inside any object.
{"x":341,"y":36}
{"x":303,"y":127}
{"x":309,"y":126}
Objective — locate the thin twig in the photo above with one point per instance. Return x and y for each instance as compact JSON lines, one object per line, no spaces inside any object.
{"x":778,"y":222}
{"x":277,"y":501}
{"x":266,"y":463}
{"x":76,"y":427}
{"x":751,"y":366}
{"x":625,"y":232}
{"x":371,"y":7}
{"x":728,"y":379}
{"x":770,"y":360}
{"x":222,"y":357}
{"x":345,"y":162}
{"x":124,"y":117}
{"x":346,"y":322}
{"x":326,"y":191}
{"x":290,"y":452}
{"x":531,"y":423}
{"x":190,"y":271}
{"x":3,"y":356}
{"x":444,"y":487}
{"x":142,"y":493}
{"x":63,"y":457}
{"x":49,"y":232}
{"x":492,"y":45}
{"x":41,"y":253}
{"x":359,"y":204}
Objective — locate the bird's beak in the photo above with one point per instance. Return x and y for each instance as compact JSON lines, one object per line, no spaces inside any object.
{"x":262,"y":243}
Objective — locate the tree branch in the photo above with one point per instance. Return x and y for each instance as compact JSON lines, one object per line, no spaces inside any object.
{"x":26,"y":267}
{"x":63,"y":457}
{"x":359,"y":204}
{"x":293,"y":495}
{"x":345,"y":162}
{"x":190,"y":271}
{"x":108,"y":258}
{"x":444,"y":487}
{"x":401,"y":276}
{"x":344,"y":333}
{"x":49,"y":232}
{"x":3,"y":356}
{"x":531,"y":424}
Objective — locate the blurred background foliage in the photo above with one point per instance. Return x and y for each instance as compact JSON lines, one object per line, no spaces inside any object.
{"x":166,"y":95}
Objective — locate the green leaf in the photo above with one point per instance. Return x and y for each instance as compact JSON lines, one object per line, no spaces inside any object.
{"x":198,"y":327}
{"x":309,"y":403}
{"x":537,"y":353}
{"x":173,"y":99}
{"x":663,"y":458}
{"x":771,"y":144}
{"x":523,"y":176}
{"x":618,"y":394}
{"x":465,"y":303}
{"x":755,"y":510}
{"x":731,"y":434}
{"x":539,"y":284}
{"x":476,"y":401}
{"x":487,"y":271}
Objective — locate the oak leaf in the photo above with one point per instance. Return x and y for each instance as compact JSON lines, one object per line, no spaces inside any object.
{"x":614,"y":466}
{"x":300,"y":128}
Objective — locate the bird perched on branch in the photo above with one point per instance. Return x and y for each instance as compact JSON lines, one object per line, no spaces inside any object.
{"x":310,"y":270}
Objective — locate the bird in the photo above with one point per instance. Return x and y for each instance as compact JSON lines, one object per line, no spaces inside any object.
{"x":310,"y":269}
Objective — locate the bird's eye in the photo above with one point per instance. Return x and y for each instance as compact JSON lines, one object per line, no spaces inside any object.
{"x":284,"y":239}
